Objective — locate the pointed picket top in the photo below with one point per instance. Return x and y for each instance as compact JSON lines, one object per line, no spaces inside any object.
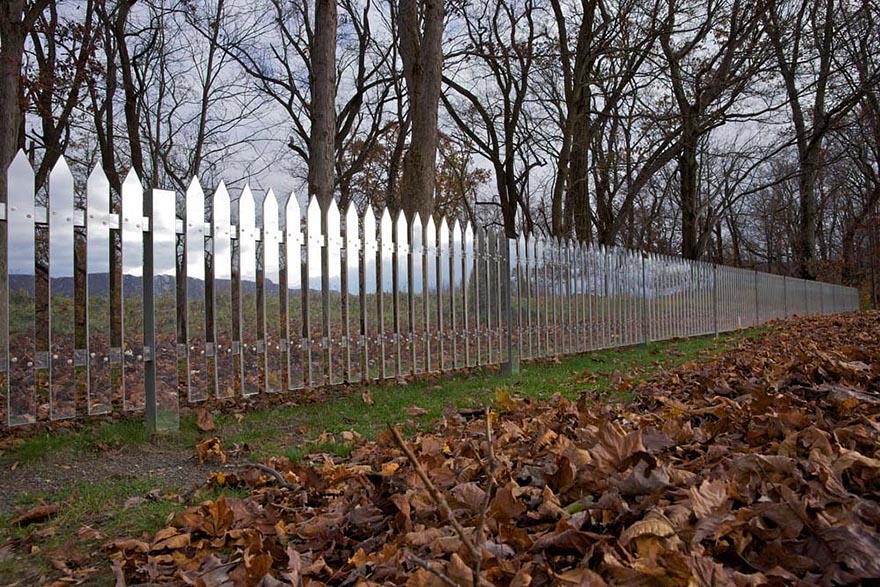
{"x":61,"y":172}
{"x":430,"y":234}
{"x":521,"y":245}
{"x":221,"y":207}
{"x":444,"y":232}
{"x":21,"y":177}
{"x":369,"y":225}
{"x":385,"y":228}
{"x":313,"y":219}
{"x":292,"y":222}
{"x":247,"y":210}
{"x":195,"y":205}
{"x":97,"y":177}
{"x":351,"y":226}
{"x":416,"y":234}
{"x":270,"y":212}
{"x":333,"y":214}
{"x":468,"y":241}
{"x":401,"y":229}
{"x":61,"y":194}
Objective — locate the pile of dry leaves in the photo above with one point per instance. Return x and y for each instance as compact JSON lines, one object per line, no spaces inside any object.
{"x":761,"y":467}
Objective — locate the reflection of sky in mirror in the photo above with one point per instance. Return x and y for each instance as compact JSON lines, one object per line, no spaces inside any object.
{"x":60,"y":221}
{"x":21,"y":203}
{"x":98,"y":202}
{"x":222,"y":242}
{"x":132,"y":235}
{"x":313,"y":244}
{"x":164,"y":235}
{"x":195,"y":231}
{"x":247,"y":242}
{"x":334,"y":248}
{"x":270,"y":223}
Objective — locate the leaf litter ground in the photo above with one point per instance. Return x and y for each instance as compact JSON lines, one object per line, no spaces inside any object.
{"x":759,"y":467}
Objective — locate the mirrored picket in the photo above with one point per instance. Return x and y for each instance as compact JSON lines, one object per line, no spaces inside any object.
{"x":222,"y":333}
{"x":471,"y":317}
{"x":419,"y":299}
{"x":444,"y":297}
{"x":459,"y":325}
{"x":163,"y":225}
{"x":293,"y":263}
{"x":272,"y":321}
{"x":195,"y":320}
{"x":133,"y":292}
{"x":371,"y":308}
{"x":99,"y":300}
{"x":250,"y":359}
{"x":314,"y":318}
{"x":20,"y":251}
{"x":332,"y":299}
{"x":432,"y":292}
{"x":352,"y":290}
{"x":62,"y":323}
{"x":388,"y":338}
{"x":402,"y":299}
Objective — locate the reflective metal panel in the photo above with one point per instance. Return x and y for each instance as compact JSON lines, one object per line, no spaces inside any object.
{"x":99,"y":306}
{"x":445,"y":296}
{"x":419,"y":300}
{"x":373,"y":347}
{"x":20,"y":250}
{"x":458,"y":324}
{"x":402,"y":312}
{"x":221,"y":237}
{"x":62,"y":323}
{"x":133,"y":292}
{"x":164,"y":229}
{"x":196,"y":319}
{"x":482,"y":296}
{"x":352,"y":300}
{"x":251,"y":364}
{"x":522,"y":296}
{"x":333,"y":298}
{"x":494,"y":291}
{"x":313,"y":308}
{"x":386,"y":296}
{"x":293,"y":272}
{"x":433,"y":297}
{"x":470,"y":298}
{"x":273,"y":331}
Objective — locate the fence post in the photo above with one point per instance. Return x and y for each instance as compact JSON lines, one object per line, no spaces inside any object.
{"x":715,"y":298}
{"x":511,"y":367}
{"x":784,"y":297}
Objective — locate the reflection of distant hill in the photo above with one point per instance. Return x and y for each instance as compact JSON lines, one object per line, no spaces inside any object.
{"x":98,"y":285}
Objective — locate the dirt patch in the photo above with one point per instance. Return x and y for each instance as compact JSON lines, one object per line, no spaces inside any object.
{"x":166,"y":465}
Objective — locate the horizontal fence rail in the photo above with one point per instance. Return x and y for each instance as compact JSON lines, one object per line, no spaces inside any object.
{"x":110,"y":306}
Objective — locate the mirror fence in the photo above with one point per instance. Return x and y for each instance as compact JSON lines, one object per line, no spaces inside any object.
{"x":242,"y":304}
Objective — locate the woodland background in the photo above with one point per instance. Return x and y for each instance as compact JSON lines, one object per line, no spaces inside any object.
{"x":738,"y":132}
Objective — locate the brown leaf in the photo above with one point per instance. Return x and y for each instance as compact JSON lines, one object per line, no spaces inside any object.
{"x":35,"y":514}
{"x":415,"y":411}
{"x":204,"y":419}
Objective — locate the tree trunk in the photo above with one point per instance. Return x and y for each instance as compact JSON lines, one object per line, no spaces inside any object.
{"x":322,"y":78}
{"x":422,"y":56}
{"x":12,"y":32}
{"x":808,"y":212}
{"x":687,"y":171}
